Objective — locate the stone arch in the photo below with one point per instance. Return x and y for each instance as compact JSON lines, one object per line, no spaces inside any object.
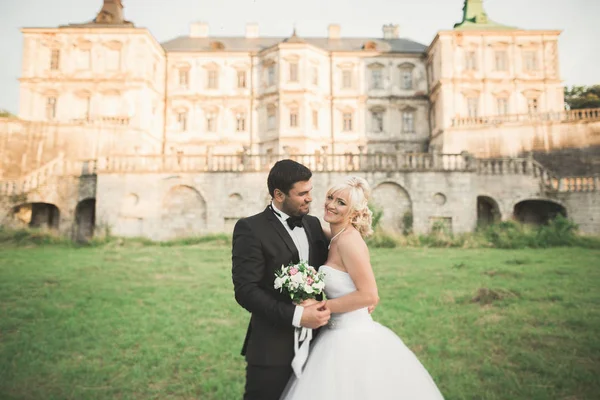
{"x":235,"y":203}
{"x":488,"y":211}
{"x":37,"y":215}
{"x":538,"y":211}
{"x":131,"y":221}
{"x":85,"y":219}
{"x":395,"y":203}
{"x":184,"y":212}
{"x":129,"y":203}
{"x":234,"y":210}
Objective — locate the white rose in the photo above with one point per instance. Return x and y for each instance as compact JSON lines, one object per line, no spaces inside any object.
{"x":308,"y":289}
{"x":319,"y":285}
{"x":278,"y":282}
{"x":298,"y":278}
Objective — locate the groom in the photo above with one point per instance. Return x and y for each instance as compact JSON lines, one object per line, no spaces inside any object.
{"x":281,"y":234}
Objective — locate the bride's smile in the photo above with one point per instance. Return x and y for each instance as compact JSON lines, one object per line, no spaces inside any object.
{"x":336,"y":208}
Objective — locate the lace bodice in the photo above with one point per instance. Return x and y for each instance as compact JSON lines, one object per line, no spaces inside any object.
{"x":337,"y":284}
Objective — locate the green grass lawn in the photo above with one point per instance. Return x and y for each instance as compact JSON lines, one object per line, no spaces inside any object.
{"x":150,"y":322}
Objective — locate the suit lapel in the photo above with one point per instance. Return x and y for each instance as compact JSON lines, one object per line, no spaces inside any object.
{"x":310,"y":240}
{"x":278,"y":226}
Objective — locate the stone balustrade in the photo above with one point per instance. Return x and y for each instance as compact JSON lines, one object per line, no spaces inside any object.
{"x":519,"y":166}
{"x":389,"y":162}
{"x":263,"y":162}
{"x":580,"y":183}
{"x":590,"y":114}
{"x":102,"y":120}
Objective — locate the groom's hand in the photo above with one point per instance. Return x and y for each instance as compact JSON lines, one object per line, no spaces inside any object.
{"x":315,"y":316}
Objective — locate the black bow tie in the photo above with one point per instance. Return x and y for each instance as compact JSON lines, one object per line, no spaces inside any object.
{"x":294,"y":222}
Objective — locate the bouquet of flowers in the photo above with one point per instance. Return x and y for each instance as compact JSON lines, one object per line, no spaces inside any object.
{"x":299,"y":281}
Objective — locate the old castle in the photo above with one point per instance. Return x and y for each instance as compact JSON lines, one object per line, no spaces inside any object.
{"x":117,"y":132}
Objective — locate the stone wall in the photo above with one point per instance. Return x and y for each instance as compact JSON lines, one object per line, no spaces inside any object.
{"x":63,"y":192}
{"x":163,"y":206}
{"x":512,"y":139}
{"x":584,"y":209}
{"x":143,"y":200}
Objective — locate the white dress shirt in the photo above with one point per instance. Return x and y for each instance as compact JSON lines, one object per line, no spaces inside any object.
{"x":300,"y":239}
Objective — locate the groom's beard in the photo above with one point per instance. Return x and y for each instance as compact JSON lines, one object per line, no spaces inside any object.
{"x":297,"y":212}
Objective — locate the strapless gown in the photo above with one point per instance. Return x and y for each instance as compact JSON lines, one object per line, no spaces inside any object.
{"x":354,"y":357}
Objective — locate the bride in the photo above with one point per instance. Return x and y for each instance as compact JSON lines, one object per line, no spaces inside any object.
{"x":355,"y":357}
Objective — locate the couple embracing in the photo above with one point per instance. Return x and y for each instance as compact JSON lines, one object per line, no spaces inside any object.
{"x":352,"y":356}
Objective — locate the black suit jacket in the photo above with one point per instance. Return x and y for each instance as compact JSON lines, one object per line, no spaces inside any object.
{"x":262,"y":245}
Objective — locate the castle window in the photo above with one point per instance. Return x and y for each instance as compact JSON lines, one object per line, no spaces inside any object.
{"x":532,"y":105}
{"x":529,"y":60}
{"x":377,"y":78}
{"x":240,"y":119}
{"x":377,"y":120}
{"x":51,"y":108}
{"x":241,"y":79}
{"x":271,"y":117}
{"x":347,"y":122}
{"x":472,"y":107}
{"x":294,"y":118}
{"x":212,"y":79}
{"x":294,"y":72}
{"x":346,"y":79}
{"x":184,"y":77}
{"x":471,"y":61}
{"x":55,"y":59}
{"x":211,"y":122}
{"x":271,"y":75}
{"x":408,"y":121}
{"x":182,"y":121}
{"x":500,"y":60}
{"x":502,"y":105}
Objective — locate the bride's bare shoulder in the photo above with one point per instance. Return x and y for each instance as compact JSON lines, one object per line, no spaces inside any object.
{"x":351,"y":238}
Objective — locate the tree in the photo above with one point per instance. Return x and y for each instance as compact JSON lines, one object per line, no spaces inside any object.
{"x":6,"y":114}
{"x":578,"y":97}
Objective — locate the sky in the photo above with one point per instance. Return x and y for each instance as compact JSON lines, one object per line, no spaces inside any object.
{"x":419,"y":20}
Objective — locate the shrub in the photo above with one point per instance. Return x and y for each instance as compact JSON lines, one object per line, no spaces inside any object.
{"x":377,"y":215}
{"x":381,"y":240}
{"x":407,"y":223}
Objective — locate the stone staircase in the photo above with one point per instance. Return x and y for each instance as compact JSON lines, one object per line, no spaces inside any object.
{"x":549,"y":180}
{"x":571,"y":162}
{"x":60,"y":166}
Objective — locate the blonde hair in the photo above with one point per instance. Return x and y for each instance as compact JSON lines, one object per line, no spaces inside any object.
{"x":359,"y":192}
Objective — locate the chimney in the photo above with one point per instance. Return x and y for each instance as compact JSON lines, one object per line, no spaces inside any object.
{"x":199,"y":30}
{"x":335,"y":31}
{"x":111,"y":13}
{"x":391,"y":31}
{"x":251,"y":31}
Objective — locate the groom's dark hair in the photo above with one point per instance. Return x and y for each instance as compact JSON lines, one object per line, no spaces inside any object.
{"x":284,"y":174}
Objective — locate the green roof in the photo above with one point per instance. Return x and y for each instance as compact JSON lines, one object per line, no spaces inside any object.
{"x":475,"y":18}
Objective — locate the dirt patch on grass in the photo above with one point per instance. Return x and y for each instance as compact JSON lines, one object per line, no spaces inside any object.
{"x":489,"y":319}
{"x":488,"y":296}
{"x":503,"y":273}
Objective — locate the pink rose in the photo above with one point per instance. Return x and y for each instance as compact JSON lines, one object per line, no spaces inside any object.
{"x":293,"y":271}
{"x":309,"y":280}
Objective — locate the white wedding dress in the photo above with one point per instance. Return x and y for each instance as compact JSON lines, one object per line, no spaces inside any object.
{"x":355,"y":357}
